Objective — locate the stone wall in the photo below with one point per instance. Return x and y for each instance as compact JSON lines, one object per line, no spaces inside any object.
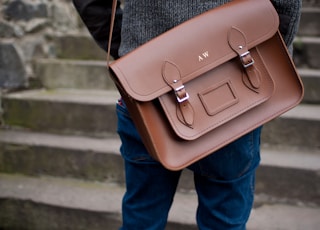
{"x":25,"y":30}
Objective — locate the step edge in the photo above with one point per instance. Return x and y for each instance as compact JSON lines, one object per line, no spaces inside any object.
{"x":103,"y":97}
{"x":110,"y":144}
{"x":304,"y":72}
{"x":304,"y":112}
{"x":90,"y":62}
{"x":299,"y":159}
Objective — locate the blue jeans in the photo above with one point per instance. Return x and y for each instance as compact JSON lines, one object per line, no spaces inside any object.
{"x":224,"y":182}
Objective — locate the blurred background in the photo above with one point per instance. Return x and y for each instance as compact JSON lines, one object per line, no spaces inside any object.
{"x":60,"y":166}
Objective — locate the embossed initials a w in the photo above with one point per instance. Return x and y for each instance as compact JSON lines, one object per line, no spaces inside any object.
{"x":203,"y":56}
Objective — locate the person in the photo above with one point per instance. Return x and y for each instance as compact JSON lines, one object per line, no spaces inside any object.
{"x":224,"y":181}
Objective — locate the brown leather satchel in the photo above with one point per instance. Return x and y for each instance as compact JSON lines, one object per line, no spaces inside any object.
{"x":208,"y":81}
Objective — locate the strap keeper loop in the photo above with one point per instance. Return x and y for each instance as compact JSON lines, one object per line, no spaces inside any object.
{"x":179,"y":98}
{"x":246,"y":59}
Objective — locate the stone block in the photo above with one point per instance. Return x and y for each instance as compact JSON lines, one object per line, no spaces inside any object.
{"x":12,"y":69}
{"x":6,"y":30}
{"x":63,"y":16}
{"x":25,"y":10}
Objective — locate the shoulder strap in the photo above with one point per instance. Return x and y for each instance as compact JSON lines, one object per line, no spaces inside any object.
{"x":113,"y":15}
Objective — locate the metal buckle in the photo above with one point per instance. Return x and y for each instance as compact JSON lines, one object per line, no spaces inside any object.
{"x":178,"y":98}
{"x":242,"y":57}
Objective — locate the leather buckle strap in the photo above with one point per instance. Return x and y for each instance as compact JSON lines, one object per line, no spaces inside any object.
{"x":237,"y":41}
{"x":171,"y":75}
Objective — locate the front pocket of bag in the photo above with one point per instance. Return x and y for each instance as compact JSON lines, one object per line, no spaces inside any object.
{"x":217,"y":97}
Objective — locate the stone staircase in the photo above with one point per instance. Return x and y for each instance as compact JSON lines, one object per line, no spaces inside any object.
{"x":60,"y":166}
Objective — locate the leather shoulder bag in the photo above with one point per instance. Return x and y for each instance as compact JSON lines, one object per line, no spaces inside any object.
{"x":190,"y":95}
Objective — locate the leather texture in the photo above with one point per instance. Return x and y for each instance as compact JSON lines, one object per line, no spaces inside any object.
{"x":208,"y":81}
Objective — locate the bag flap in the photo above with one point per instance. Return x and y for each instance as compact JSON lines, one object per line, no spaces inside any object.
{"x":195,"y":46}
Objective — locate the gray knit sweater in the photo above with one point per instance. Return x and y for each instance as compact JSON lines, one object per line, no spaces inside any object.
{"x":144,"y":19}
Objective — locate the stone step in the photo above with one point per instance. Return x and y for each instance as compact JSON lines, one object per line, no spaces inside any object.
{"x":76,"y":74}
{"x":87,"y":158}
{"x":95,"y":159}
{"x":310,"y":21}
{"x":92,"y":113}
{"x":311,"y":82}
{"x":89,"y":112}
{"x":289,"y":175}
{"x":307,"y":52}
{"x":76,"y":46}
{"x":298,"y":127}
{"x":36,"y":203}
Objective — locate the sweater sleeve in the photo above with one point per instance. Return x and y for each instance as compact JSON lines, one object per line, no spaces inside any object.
{"x":96,"y":16}
{"x":289,"y":13}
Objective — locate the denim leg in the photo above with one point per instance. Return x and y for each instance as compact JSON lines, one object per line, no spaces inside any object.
{"x":150,"y":187}
{"x":225,"y":184}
